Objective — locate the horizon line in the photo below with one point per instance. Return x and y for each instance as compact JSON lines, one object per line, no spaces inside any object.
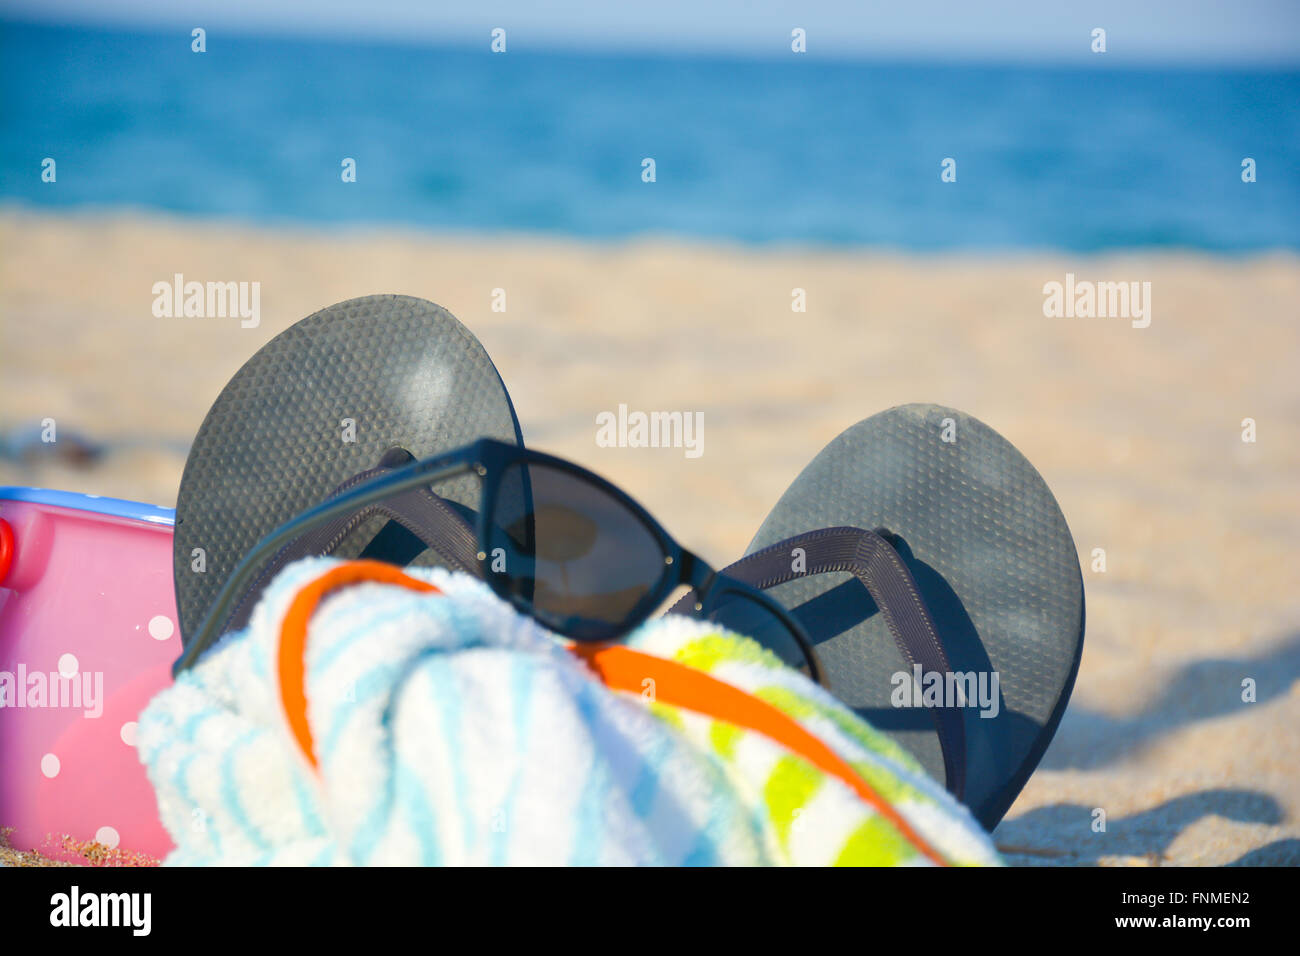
{"x":550,"y":43}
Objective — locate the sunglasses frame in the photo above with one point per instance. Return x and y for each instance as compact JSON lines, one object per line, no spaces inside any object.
{"x":489,"y":459}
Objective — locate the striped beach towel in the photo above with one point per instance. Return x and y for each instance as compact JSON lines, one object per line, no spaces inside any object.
{"x":373,"y":716}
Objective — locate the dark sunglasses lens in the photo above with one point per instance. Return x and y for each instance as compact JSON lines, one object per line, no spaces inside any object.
{"x":740,"y":611}
{"x":579,"y":556}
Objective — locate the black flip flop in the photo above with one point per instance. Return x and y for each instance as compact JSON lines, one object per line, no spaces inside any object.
{"x":929,"y":516}
{"x":339,"y":397}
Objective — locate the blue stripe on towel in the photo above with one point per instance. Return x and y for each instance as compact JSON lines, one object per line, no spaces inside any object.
{"x":366,"y":620}
{"x":590,"y":829}
{"x":647,"y":785}
{"x":378,"y":680}
{"x":325,"y":857}
{"x":182,"y":788}
{"x":366,"y":837}
{"x":230,"y":789}
{"x":721,"y":806}
{"x":521,"y":677}
{"x":306,"y":801}
{"x":189,"y":730}
{"x":444,"y":690}
{"x":381,"y":810}
{"x":368,"y":834}
{"x":418,"y":808}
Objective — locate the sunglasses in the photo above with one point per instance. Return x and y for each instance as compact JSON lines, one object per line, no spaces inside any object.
{"x":560,"y":544}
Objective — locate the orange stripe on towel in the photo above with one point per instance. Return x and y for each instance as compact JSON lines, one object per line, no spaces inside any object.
{"x":293,"y":635}
{"x":622,"y":668}
{"x":619,"y":667}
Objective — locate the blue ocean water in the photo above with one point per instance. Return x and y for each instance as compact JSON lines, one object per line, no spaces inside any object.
{"x":789,"y":150}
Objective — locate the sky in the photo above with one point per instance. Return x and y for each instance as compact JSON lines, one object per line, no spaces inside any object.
{"x":1192,"y":32}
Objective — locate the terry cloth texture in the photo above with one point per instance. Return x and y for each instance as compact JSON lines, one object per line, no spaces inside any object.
{"x":449,"y":729}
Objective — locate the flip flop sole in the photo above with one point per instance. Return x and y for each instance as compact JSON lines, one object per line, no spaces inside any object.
{"x":996,"y":565}
{"x":322,"y":401}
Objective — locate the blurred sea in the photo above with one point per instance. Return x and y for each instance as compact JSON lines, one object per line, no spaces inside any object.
{"x":794,"y":149}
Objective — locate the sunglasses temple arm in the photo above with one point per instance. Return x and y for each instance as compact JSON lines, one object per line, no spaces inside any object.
{"x":420,"y":473}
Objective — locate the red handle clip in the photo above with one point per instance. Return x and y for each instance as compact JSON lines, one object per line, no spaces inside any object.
{"x":6,"y":548}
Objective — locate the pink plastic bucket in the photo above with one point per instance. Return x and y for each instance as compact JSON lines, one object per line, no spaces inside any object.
{"x":87,"y":636}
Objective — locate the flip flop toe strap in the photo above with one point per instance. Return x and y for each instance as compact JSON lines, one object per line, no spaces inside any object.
{"x":433,"y":522}
{"x":869,"y":557}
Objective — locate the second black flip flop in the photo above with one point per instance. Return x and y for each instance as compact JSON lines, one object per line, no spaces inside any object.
{"x":939,"y":584}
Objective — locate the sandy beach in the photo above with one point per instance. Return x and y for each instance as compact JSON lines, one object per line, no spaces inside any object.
{"x":1137,"y":430}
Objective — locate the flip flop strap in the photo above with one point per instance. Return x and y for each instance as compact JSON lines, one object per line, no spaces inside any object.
{"x":872,"y":560}
{"x":421,"y":512}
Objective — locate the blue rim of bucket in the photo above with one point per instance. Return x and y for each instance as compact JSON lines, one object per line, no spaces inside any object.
{"x":114,"y":507}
